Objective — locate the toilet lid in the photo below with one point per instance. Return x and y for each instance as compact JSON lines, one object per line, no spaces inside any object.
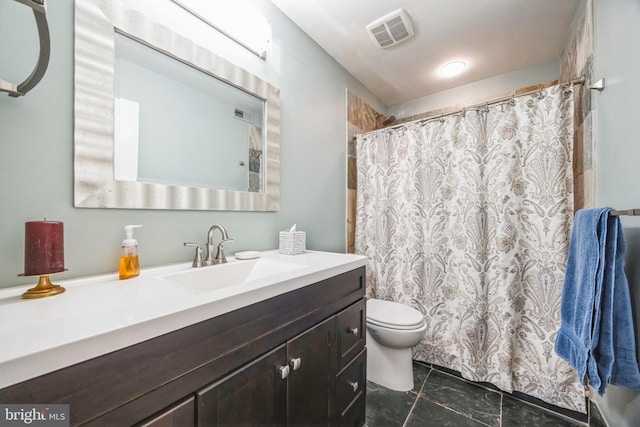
{"x":393,"y":315}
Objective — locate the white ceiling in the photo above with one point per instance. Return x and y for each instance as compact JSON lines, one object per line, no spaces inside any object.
{"x":492,"y":36}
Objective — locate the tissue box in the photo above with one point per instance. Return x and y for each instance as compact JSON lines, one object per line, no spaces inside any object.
{"x":292,"y":243}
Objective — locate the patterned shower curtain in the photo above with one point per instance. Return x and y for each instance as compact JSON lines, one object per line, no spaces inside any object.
{"x":470,"y":215}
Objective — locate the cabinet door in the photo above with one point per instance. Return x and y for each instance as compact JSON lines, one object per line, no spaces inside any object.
{"x":310,"y":384}
{"x":254,"y":395}
{"x":179,"y":415}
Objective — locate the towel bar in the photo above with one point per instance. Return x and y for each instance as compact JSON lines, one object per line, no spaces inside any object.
{"x":40,"y":14}
{"x":629,"y":212}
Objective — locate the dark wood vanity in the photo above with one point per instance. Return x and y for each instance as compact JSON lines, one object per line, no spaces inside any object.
{"x":295,"y":359}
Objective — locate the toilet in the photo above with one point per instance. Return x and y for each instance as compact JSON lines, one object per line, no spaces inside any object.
{"x":392,"y":329}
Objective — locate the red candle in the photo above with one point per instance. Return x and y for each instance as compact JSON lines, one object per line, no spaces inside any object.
{"x":43,"y":247}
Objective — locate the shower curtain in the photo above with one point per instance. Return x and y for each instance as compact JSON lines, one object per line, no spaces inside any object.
{"x":470,"y":215}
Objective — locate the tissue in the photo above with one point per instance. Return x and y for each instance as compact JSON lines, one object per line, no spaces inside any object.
{"x":292,"y":242}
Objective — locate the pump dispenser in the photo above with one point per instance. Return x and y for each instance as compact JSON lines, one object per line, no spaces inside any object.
{"x":129,"y":264}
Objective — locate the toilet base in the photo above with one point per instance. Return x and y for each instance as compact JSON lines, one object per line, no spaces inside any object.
{"x":389,"y":367}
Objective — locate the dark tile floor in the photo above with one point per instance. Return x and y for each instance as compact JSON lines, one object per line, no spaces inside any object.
{"x":441,"y":398}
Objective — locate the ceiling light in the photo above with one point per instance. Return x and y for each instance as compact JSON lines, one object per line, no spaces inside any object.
{"x":453,"y":68}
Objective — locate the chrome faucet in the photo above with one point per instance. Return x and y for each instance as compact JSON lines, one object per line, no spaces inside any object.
{"x":219,"y":258}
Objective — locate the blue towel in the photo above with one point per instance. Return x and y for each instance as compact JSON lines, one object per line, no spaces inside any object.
{"x":615,"y":349}
{"x":581,"y":292}
{"x":596,"y":302}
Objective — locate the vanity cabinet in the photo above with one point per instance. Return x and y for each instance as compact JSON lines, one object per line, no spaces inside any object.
{"x":290,"y":385}
{"x":295,"y":359}
{"x":296,"y":384}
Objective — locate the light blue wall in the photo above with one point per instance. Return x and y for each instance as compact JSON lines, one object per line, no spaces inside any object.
{"x":481,"y":91}
{"x":199,"y":146}
{"x":617,"y":155}
{"x":36,"y":155}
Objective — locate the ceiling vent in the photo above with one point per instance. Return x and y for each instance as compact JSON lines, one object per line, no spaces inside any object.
{"x":391,"y":29}
{"x":243,"y":115}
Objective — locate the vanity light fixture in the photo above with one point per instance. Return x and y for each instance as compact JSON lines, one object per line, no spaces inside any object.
{"x":453,"y":68}
{"x":237,"y":20}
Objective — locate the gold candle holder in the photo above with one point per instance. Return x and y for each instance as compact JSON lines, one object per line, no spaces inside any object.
{"x":44,"y":288}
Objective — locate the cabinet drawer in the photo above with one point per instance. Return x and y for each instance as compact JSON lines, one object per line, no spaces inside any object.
{"x":350,"y":332}
{"x":355,"y":414}
{"x":351,"y":383}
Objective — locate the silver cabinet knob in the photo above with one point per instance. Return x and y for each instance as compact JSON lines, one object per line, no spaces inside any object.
{"x":295,"y":363}
{"x":284,"y":371}
{"x":354,"y":385}
{"x":353,"y":331}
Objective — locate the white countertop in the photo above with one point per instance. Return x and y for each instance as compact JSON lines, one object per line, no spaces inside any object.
{"x":100,"y":314}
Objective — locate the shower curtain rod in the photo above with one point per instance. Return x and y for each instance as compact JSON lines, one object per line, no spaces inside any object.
{"x":481,"y":104}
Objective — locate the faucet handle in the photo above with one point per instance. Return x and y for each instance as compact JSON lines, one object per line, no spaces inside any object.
{"x":197,"y":261}
{"x":220,"y":258}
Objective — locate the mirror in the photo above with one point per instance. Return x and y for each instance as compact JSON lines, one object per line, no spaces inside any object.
{"x":136,"y":144}
{"x":215,"y":142}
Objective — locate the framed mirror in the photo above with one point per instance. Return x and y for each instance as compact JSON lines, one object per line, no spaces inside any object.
{"x":164,"y":123}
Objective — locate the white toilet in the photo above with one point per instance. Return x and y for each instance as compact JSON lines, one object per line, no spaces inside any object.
{"x":392,"y":329}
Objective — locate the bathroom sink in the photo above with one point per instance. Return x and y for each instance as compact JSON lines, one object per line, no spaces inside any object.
{"x":233,"y":273}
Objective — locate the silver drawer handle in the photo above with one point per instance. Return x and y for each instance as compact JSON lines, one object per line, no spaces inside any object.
{"x":295,"y":363}
{"x":354,"y":385}
{"x":353,"y":331}
{"x":284,"y":371}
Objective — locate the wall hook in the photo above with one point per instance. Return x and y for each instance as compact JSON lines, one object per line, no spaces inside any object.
{"x":599,"y":85}
{"x":40,"y":14}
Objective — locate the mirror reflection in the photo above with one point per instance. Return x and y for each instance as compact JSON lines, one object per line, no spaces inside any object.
{"x":174,"y":124}
{"x":147,"y":133}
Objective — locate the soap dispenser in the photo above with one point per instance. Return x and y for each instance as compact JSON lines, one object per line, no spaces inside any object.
{"x":129,"y":264}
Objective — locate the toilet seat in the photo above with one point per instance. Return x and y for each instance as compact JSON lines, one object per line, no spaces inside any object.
{"x":396,"y":327}
{"x":392,"y":315}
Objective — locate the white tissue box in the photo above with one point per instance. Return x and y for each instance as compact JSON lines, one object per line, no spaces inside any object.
{"x":292,"y":243}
